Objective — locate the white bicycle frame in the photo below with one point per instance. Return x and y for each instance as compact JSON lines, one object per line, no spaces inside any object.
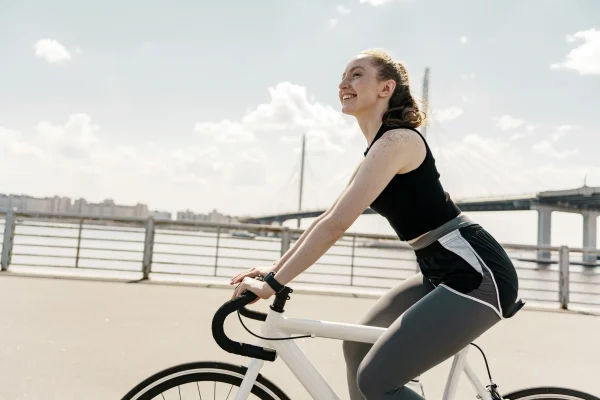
{"x":279,"y":326}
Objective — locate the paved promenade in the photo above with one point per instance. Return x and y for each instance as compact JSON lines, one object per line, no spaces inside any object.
{"x":75,"y":339}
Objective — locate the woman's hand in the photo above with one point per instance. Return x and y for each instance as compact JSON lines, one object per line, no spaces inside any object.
{"x":259,"y":288}
{"x":252,"y":273}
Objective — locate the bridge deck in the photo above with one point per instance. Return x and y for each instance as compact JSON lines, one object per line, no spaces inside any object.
{"x":573,"y":199}
{"x":67,"y":340}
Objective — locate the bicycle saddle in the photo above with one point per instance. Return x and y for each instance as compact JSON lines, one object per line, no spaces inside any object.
{"x":514,"y":308}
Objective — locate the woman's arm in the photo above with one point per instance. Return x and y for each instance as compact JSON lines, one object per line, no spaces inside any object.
{"x":388,"y":156}
{"x":292,"y":250}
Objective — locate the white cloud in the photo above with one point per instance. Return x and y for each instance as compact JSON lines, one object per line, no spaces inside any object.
{"x":506,"y":122}
{"x":468,"y":76}
{"x":530,"y":128}
{"x":225,"y":131}
{"x":76,"y":138}
{"x":290,"y":110}
{"x":585,"y":58}
{"x":376,"y":3}
{"x":448,"y":114}
{"x":463,"y":40}
{"x":12,"y":143}
{"x":333,"y":22}
{"x":342,"y":10}
{"x":546,"y":148}
{"x":51,"y":51}
{"x":520,"y":135}
{"x":564,"y":128}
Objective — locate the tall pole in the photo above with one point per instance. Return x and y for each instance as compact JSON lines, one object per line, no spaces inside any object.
{"x":425,"y":100}
{"x":301,"y":176}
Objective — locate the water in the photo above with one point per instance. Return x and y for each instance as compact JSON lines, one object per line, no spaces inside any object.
{"x":192,"y":255}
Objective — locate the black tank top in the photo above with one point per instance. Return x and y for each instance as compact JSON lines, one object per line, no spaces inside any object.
{"x":414,"y":202}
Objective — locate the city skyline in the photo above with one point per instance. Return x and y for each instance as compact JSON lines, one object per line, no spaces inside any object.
{"x":107,"y":207}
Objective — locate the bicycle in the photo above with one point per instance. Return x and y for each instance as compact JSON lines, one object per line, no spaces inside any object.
{"x":276,"y":334}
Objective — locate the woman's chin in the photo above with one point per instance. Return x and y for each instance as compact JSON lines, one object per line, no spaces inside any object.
{"x":347,"y":110}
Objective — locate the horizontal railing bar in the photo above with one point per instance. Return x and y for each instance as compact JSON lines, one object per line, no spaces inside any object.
{"x":74,"y":268}
{"x":19,"y":234}
{"x":131,"y":230}
{"x":583,"y":302}
{"x":167,"y":233}
{"x":83,"y":238}
{"x":247,"y":248}
{"x":43,"y":255}
{"x":212,"y":246}
{"x":187,"y":264}
{"x":584,"y":293}
{"x":170,"y":253}
{"x":51,"y":246}
{"x":70,"y":226}
{"x":539,"y":290}
{"x":73,"y":257}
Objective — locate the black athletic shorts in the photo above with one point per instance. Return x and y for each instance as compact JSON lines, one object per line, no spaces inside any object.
{"x":470,"y":262}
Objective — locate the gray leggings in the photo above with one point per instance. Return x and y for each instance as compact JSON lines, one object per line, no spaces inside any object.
{"x":436,"y":323}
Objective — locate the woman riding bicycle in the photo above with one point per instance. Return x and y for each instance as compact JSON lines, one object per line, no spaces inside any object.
{"x":466,"y":280}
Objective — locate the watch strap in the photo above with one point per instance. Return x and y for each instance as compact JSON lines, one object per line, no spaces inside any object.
{"x":271,"y":281}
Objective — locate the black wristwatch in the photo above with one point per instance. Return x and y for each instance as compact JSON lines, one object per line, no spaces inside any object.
{"x":271,"y":281}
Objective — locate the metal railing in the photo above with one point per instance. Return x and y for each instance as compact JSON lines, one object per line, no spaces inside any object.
{"x":144,"y":248}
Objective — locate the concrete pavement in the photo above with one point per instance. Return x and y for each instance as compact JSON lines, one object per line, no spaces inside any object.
{"x":80,"y":339}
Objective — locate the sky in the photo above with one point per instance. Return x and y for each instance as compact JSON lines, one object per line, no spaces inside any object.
{"x":201,"y":105}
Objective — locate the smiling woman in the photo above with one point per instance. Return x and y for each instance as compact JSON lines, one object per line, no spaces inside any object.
{"x":466,"y":283}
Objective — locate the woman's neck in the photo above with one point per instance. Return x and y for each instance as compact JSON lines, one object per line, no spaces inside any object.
{"x":370,"y":122}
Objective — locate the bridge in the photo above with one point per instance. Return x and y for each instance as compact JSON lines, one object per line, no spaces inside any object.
{"x":584,"y":200}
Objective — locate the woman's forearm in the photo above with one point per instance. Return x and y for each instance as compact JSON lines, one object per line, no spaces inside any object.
{"x":314,"y":246}
{"x":278,"y":264}
{"x":288,"y":254}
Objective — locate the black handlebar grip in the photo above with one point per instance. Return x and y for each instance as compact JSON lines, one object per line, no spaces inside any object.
{"x":257,"y":315}
{"x":231,"y":346}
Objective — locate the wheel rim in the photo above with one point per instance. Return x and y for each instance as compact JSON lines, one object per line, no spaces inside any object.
{"x":549,"y":396}
{"x":179,"y":374}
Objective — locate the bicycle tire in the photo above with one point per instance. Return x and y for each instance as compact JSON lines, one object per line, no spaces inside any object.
{"x":211,"y":371}
{"x":549,"y":393}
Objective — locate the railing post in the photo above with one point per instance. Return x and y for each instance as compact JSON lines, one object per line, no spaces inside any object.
{"x":148,"y":248}
{"x":352,"y":261}
{"x":285,"y":240}
{"x":563,"y":291}
{"x":9,"y":235}
{"x":78,"y":243}
{"x":217,"y":250}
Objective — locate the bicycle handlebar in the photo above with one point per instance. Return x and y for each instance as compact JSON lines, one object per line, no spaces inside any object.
{"x":257,"y":315}
{"x":231,"y":346}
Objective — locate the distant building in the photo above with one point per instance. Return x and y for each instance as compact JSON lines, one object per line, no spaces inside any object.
{"x":161,"y":215}
{"x":110,"y":209}
{"x":107,"y":208}
{"x":27,"y":203}
{"x":213,"y":216}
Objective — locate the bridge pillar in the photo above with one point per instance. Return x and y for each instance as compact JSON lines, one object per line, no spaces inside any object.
{"x":590,"y":219}
{"x":544,"y":231}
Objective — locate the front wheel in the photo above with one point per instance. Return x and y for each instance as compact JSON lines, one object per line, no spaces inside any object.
{"x":202,"y":380}
{"x":549,"y":393}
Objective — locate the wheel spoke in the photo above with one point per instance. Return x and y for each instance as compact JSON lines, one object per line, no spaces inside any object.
{"x":199,"y":394}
